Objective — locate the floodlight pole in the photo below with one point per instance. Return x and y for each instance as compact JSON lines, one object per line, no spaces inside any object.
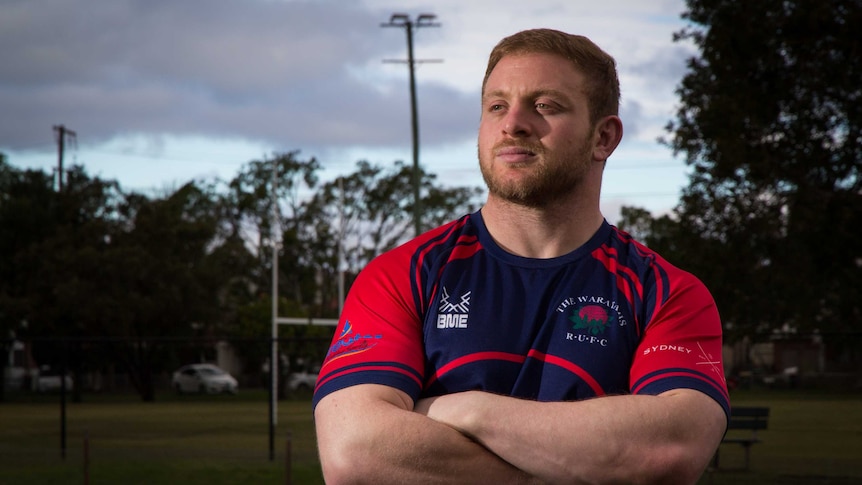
{"x":423,"y":20}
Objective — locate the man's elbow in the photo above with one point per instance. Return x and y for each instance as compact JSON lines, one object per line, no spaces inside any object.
{"x":345,"y":455}
{"x":677,"y":464}
{"x":339,"y":472}
{"x":344,"y":464}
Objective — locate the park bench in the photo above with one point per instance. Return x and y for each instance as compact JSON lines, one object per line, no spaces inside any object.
{"x":744,"y":419}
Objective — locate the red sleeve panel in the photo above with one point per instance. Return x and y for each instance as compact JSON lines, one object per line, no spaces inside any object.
{"x":681,"y":346}
{"x":379,"y":336}
{"x":378,"y":339}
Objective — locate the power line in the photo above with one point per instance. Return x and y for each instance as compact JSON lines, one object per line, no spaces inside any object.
{"x":642,"y":167}
{"x":623,"y":195}
{"x":155,"y":157}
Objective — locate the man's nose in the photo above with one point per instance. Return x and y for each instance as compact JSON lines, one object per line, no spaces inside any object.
{"x":517,"y":122}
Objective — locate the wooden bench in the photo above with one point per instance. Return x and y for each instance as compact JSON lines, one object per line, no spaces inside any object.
{"x":751,"y":419}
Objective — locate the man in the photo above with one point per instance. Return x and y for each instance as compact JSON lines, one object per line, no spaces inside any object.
{"x":529,"y":342}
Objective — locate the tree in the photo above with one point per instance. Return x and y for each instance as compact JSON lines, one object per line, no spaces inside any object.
{"x":52,"y":259}
{"x":770,"y":120}
{"x":103,"y":278}
{"x":249,"y":202}
{"x":370,"y":211}
{"x":26,"y":217}
{"x":161,"y":275}
{"x":27,"y":204}
{"x":251,"y":223}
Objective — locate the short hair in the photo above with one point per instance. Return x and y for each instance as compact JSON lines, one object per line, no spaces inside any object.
{"x":597,"y":66}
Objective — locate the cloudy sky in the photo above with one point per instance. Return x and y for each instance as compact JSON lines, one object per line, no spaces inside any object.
{"x":160,"y":92}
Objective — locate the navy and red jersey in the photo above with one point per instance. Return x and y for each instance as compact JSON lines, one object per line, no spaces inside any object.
{"x":451,"y":311}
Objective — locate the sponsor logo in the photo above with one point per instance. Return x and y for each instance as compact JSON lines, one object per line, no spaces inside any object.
{"x":350,"y":343}
{"x":453,"y":314}
{"x":590,"y":317}
{"x":667,"y":348}
{"x":713,"y":364}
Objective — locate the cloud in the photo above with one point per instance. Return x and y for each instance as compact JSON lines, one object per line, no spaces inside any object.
{"x":273,"y":71}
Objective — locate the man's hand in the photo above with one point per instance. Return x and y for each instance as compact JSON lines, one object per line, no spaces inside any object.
{"x":453,"y":410}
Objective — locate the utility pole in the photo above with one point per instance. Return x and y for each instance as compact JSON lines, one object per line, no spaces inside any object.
{"x":404,"y":21}
{"x":273,"y":350}
{"x":60,"y":134}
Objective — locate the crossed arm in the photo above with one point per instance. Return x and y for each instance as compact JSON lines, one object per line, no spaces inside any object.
{"x":370,"y":434}
{"x":373,"y":434}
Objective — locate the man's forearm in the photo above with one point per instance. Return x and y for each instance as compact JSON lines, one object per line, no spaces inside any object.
{"x":363,"y":439}
{"x":628,"y":439}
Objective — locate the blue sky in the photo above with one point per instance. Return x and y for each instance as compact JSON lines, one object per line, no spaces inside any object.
{"x":160,"y":92}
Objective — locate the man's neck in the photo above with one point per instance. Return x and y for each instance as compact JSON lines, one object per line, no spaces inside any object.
{"x":542,"y":233}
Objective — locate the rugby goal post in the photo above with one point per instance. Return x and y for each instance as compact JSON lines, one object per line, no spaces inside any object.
{"x":320,"y":322}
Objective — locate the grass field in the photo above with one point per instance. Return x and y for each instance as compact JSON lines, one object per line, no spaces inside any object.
{"x":813,"y":438}
{"x":177,"y":439}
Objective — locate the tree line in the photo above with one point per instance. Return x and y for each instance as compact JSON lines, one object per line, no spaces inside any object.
{"x":93,"y":274}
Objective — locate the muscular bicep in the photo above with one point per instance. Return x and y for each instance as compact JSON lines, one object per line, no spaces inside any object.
{"x":354,"y":421}
{"x":356,"y":400}
{"x":351,"y":409}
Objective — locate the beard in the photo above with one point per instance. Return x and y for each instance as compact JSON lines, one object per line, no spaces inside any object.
{"x":539,"y":183}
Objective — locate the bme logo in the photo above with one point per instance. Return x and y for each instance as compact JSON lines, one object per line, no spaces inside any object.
{"x":453,"y":315}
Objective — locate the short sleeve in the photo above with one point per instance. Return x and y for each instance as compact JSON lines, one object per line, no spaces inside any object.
{"x":682,"y":344}
{"x":378,"y":338}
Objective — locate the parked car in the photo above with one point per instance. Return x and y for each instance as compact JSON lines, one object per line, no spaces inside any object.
{"x":303,"y":380}
{"x":203,"y":378}
{"x":50,"y":381}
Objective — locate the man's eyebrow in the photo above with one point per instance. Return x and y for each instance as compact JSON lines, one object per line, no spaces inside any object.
{"x":553,"y":93}
{"x":497,"y":93}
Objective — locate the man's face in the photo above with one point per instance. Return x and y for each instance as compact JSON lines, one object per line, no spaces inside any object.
{"x":535,"y":136}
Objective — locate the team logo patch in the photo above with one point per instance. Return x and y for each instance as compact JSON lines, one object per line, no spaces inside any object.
{"x":453,"y":314}
{"x":592,"y":318}
{"x":350,"y":343}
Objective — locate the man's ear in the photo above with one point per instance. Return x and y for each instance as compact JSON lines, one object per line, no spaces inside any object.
{"x":607,"y":135}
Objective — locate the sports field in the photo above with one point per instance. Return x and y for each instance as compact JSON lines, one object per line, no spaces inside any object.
{"x":813,"y":438}
{"x":190,"y":440}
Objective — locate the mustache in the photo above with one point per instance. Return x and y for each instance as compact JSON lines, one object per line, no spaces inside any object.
{"x":533,"y":147}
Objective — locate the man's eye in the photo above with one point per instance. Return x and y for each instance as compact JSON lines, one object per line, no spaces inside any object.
{"x":495,"y":107}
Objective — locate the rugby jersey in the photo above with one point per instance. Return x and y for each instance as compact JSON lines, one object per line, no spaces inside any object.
{"x":451,"y":311}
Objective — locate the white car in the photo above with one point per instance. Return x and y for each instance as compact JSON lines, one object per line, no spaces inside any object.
{"x":303,"y":380}
{"x":203,"y":378}
{"x":49,"y":381}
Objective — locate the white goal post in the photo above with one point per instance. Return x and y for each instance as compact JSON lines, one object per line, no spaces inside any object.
{"x":320,"y":322}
